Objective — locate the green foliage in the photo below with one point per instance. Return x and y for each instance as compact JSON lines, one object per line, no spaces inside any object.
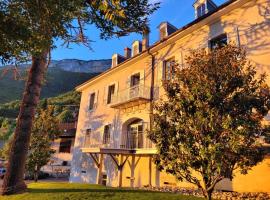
{"x":57,"y":82}
{"x":121,"y":17}
{"x":7,"y":128}
{"x":11,"y":109}
{"x":211,"y":120}
{"x":66,"y":116}
{"x":44,"y":131}
{"x":30,"y":27}
{"x":4,"y":151}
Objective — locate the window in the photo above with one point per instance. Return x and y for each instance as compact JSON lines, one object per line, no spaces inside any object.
{"x":218,"y":42}
{"x":92,"y":101}
{"x":106,"y":135}
{"x":168,"y":69}
{"x":88,"y":132}
{"x":65,"y":146}
{"x":111,"y":91}
{"x":87,"y":138}
{"x":135,"y":80}
{"x":201,"y":10}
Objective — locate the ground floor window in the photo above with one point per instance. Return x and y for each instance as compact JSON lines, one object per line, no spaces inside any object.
{"x":65,"y":146}
{"x":219,"y":41}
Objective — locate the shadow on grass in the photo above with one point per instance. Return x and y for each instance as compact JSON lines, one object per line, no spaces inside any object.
{"x":70,"y":190}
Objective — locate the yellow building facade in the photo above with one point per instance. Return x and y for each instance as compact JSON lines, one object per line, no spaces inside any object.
{"x":111,"y":146}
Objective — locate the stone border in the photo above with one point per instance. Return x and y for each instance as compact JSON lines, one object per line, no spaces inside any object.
{"x":216,"y":194}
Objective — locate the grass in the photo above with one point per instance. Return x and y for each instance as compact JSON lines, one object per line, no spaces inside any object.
{"x":75,"y":191}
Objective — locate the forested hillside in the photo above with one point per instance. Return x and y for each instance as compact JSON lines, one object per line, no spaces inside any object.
{"x":57,"y":82}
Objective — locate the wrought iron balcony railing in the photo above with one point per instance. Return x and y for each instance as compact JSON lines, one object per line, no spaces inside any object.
{"x":128,"y":141}
{"x":135,"y":93}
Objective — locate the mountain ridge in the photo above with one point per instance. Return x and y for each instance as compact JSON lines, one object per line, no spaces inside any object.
{"x":62,"y":76}
{"x":76,"y":65}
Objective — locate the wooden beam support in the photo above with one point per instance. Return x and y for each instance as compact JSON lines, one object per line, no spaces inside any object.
{"x":120,"y":172}
{"x":95,"y":159}
{"x":115,"y":160}
{"x":132,"y":177}
{"x":150,"y":171}
{"x":99,"y":175}
{"x":123,"y":163}
{"x":120,"y":164}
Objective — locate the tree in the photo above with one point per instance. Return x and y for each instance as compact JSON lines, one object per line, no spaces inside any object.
{"x":66,"y":116}
{"x":44,"y":131}
{"x":4,"y":151}
{"x":7,"y":128}
{"x":30,"y":28}
{"x":211,"y":120}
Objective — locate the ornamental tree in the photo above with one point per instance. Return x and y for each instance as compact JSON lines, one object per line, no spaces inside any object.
{"x":44,"y":131}
{"x":29,"y":29}
{"x":210,"y":121}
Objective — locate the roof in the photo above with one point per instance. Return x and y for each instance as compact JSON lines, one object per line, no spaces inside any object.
{"x":224,"y":5}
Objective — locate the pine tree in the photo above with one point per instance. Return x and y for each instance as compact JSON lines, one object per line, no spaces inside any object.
{"x":29,"y":28}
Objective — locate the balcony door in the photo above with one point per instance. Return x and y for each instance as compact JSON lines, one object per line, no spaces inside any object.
{"x":134,"y":85}
{"x":135,"y":135}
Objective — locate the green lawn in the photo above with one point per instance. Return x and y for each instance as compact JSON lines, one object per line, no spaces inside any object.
{"x":67,"y":191}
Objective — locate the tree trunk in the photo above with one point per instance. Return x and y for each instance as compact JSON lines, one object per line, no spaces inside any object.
{"x":14,"y":178}
{"x":209,"y":195}
{"x":36,"y":176}
{"x":36,"y":172}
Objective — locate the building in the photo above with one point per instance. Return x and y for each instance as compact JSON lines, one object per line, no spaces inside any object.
{"x":60,"y":161}
{"x":111,"y":146}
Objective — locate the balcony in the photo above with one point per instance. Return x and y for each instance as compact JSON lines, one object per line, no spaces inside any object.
{"x":130,"y":143}
{"x":132,"y":96}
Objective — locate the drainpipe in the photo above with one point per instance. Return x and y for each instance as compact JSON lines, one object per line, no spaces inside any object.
{"x":152,"y":88}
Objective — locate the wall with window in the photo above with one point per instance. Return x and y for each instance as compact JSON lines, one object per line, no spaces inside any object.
{"x":228,"y":25}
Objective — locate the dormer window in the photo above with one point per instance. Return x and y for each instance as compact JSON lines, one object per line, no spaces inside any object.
{"x":201,"y":10}
{"x":117,"y":59}
{"x":203,"y":7}
{"x":166,"y":29}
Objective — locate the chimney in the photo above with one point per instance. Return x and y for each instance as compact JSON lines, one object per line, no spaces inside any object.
{"x":203,"y":7}
{"x":145,"y":42}
{"x":166,"y":29}
{"x":127,"y":53}
{"x":136,"y":47}
{"x":117,"y":59}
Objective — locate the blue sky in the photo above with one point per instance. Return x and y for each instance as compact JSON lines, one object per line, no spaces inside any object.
{"x":177,"y":12}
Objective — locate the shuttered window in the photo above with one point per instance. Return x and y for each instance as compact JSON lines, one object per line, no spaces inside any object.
{"x":92,"y":101}
{"x":111,"y":91}
{"x":168,"y":69}
{"x":201,"y":10}
{"x":87,"y":138}
{"x":135,"y":80}
{"x":107,"y":134}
